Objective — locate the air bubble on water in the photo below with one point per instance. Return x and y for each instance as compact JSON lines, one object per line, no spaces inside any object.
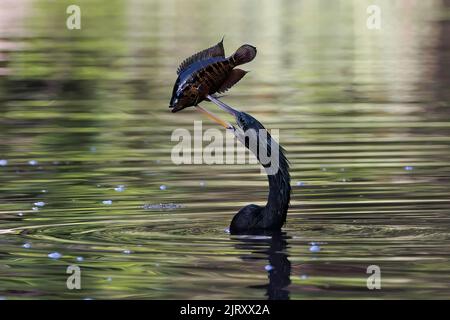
{"x":300,"y":183}
{"x":107,"y":202}
{"x":32,"y":162}
{"x":79,"y":259}
{"x":3,"y":162}
{"x":169,"y":206}
{"x":39,"y":204}
{"x":20,"y":214}
{"x":120,"y":188}
{"x":162,"y":187}
{"x":54,"y":255}
{"x":409,"y":168}
{"x":26,"y":245}
{"x":44,"y":191}
{"x":268,"y":267}
{"x":314,"y":248}
{"x":126,"y":251}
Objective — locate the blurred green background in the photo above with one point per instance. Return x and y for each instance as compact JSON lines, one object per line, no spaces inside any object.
{"x":363,"y":115}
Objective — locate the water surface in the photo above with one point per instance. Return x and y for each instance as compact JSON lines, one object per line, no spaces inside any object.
{"x":363,"y":115}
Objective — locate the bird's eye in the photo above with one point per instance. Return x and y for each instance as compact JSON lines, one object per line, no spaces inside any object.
{"x":240,"y":122}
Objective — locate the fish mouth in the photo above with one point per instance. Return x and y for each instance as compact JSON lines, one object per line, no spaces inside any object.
{"x":175,"y":108}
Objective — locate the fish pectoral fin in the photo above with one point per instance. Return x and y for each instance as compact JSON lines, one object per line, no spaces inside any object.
{"x":233,"y":78}
{"x":214,"y":51}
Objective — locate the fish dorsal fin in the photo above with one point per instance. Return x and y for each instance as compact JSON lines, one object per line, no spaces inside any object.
{"x":214,"y":51}
{"x":234,"y":77}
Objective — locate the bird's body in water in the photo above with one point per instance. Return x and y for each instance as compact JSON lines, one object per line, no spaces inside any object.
{"x":272,"y":216}
{"x":253,"y":218}
{"x":208,"y":72}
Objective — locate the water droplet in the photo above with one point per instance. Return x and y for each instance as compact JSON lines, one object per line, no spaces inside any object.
{"x":409,"y":168}
{"x":162,"y":187}
{"x":202,"y":183}
{"x":227,"y":230}
{"x":126,"y":251}
{"x":3,"y":162}
{"x":268,"y":267}
{"x":35,"y":208}
{"x":39,"y":204}
{"x":314,"y":248}
{"x":26,"y":245}
{"x":109,"y":279}
{"x":44,"y":191}
{"x":80,"y":259}
{"x":107,"y":202}
{"x":20,"y":214}
{"x":120,"y":188}
{"x":54,"y":255}
{"x":300,"y":183}
{"x":32,"y":162}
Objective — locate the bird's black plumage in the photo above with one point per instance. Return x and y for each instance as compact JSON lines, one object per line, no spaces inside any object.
{"x":272,"y":216}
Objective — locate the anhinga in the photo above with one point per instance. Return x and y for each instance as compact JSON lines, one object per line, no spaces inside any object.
{"x":272,"y":216}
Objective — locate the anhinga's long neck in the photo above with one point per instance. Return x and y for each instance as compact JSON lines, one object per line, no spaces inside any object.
{"x":277,"y":168}
{"x":275,"y":211}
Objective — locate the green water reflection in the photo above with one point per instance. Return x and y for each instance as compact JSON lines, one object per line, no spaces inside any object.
{"x":363,"y":115}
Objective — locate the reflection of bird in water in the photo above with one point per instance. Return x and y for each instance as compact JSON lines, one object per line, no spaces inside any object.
{"x":279,"y":267}
{"x":272,"y":216}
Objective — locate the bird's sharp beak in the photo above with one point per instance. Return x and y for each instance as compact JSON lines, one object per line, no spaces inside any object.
{"x":214,"y":118}
{"x":223,"y":106}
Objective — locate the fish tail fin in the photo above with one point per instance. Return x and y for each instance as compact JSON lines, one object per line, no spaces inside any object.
{"x":244,"y":54}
